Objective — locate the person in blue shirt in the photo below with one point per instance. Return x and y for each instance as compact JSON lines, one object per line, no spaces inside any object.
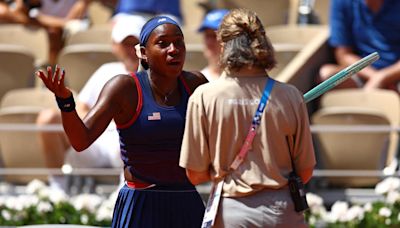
{"x":149,"y":8}
{"x":149,"y":109}
{"x":212,"y":46}
{"x":358,"y":28}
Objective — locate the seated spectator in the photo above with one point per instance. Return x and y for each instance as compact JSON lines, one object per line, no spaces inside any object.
{"x":359,"y":28}
{"x":61,"y":18}
{"x":13,"y":13}
{"x":149,"y":8}
{"x":212,"y":47}
{"x":104,"y":152}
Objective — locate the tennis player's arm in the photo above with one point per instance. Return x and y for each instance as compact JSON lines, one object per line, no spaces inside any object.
{"x":197,"y":177}
{"x":306,"y":175}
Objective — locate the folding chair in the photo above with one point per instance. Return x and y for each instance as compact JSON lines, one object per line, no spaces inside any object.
{"x":21,"y":149}
{"x":365,"y":150}
{"x":34,"y":39}
{"x":16,"y":67}
{"x":93,"y":35}
{"x":80,"y":61}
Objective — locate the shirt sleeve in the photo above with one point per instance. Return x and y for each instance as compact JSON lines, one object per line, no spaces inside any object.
{"x":340,"y":23}
{"x":304,"y":156}
{"x":195,"y":149}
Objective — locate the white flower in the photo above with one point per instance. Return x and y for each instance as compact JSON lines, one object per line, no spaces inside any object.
{"x":318,"y":210}
{"x":104,"y":213}
{"x":316,"y":204}
{"x":368,"y":207}
{"x":392,"y":197}
{"x":312,"y":220}
{"x":338,"y":212}
{"x":45,"y":193}
{"x":387,"y":185}
{"x":35,"y":186}
{"x":87,"y":201}
{"x":113,"y":196}
{"x":355,"y":212}
{"x":12,"y":203}
{"x":3,"y":200}
{"x":6,"y":215}
{"x":385,"y":212}
{"x":57,"y":196}
{"x":314,"y":200}
{"x":106,"y":209}
{"x":27,"y":201}
{"x":84,"y":219}
{"x":44,"y":207}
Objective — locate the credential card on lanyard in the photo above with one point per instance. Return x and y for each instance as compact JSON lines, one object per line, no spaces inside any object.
{"x":212,"y":205}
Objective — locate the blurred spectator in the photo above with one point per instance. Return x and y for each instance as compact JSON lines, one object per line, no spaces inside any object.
{"x":358,"y":28}
{"x":61,"y":18}
{"x":149,"y":8}
{"x":104,"y":152}
{"x":212,"y":47}
{"x":13,"y":12}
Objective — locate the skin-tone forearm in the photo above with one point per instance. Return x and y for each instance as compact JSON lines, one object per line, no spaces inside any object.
{"x":17,"y":15}
{"x":374,"y":78}
{"x":384,"y":77}
{"x":51,"y":21}
{"x":197,"y":178}
{"x":306,"y":175}
{"x":78,"y":11}
{"x":345,"y":57}
{"x":82,"y":133}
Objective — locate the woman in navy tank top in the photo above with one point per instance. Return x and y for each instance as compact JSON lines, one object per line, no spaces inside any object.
{"x":149,"y":108}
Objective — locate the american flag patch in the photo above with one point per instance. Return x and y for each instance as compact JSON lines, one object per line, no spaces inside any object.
{"x":154,"y":116}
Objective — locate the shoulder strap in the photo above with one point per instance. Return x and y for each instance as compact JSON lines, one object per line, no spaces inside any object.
{"x":254,"y":125}
{"x":187,"y":88}
{"x":139,"y":103}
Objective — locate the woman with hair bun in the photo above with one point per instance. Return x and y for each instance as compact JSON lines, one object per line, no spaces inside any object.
{"x":255,"y":193}
{"x":149,"y":109}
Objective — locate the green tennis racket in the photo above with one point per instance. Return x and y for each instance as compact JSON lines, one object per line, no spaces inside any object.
{"x":340,"y":77}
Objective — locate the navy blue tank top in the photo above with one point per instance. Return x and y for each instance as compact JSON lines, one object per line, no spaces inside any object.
{"x":150,"y":146}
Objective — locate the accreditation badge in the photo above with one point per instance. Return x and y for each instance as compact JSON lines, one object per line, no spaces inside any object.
{"x":212,"y":205}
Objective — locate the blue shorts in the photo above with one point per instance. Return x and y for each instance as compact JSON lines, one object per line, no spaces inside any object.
{"x":158,"y":207}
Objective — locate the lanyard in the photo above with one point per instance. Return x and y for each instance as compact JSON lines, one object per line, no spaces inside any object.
{"x":254,"y":125}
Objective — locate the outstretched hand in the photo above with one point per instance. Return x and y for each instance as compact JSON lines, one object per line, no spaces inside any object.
{"x":55,"y":81}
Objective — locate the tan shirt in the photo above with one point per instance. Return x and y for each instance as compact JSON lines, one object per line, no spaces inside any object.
{"x":218,"y":118}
